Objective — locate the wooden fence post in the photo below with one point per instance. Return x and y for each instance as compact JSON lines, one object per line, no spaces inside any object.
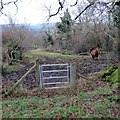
{"x":37,"y":73}
{"x":73,"y":76}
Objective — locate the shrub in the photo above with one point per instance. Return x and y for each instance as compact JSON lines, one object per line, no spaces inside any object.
{"x":111,"y":74}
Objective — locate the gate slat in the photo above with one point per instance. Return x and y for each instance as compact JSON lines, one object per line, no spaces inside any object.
{"x":56,"y":83}
{"x":55,"y":77}
{"x":55,"y":64}
{"x":57,"y":87}
{"x":55,"y":71}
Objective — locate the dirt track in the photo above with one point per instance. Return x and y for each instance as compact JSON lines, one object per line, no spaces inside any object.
{"x":85,"y":66}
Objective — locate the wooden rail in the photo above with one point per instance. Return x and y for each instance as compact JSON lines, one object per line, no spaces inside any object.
{"x":19,"y":81}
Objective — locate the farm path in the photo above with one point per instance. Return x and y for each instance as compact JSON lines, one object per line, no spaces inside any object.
{"x":85,"y":66}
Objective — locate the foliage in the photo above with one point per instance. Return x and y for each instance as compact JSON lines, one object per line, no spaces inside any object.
{"x":14,"y":51}
{"x":11,"y":44}
{"x":48,"y":39}
{"x":66,"y":22}
{"x":114,"y":98}
{"x":111,"y":74}
{"x":64,"y":31}
{"x":116,"y":15}
{"x":12,"y":68}
{"x":114,"y":77}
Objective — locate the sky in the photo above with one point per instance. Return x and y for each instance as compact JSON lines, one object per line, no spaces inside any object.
{"x":35,"y":11}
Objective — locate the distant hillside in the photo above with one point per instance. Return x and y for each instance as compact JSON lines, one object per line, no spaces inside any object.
{"x":34,"y":28}
{"x":42,"y":26}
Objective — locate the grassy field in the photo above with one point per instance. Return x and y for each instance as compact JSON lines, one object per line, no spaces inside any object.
{"x":36,"y":53}
{"x":64,"y":103}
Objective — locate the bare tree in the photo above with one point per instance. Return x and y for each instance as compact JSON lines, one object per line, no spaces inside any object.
{"x":61,"y":6}
{"x":16,"y":39}
{"x":4,"y":4}
{"x":91,"y":3}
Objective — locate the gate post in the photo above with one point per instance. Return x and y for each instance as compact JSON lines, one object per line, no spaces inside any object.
{"x":37,"y":73}
{"x":73,"y":75}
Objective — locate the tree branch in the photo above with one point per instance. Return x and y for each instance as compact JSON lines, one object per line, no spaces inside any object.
{"x":60,"y":7}
{"x":1,"y":2}
{"x":110,"y":9}
{"x":56,"y":12}
{"x":74,"y":4}
{"x":84,"y":10}
{"x":6,"y":4}
{"x":109,"y":36}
